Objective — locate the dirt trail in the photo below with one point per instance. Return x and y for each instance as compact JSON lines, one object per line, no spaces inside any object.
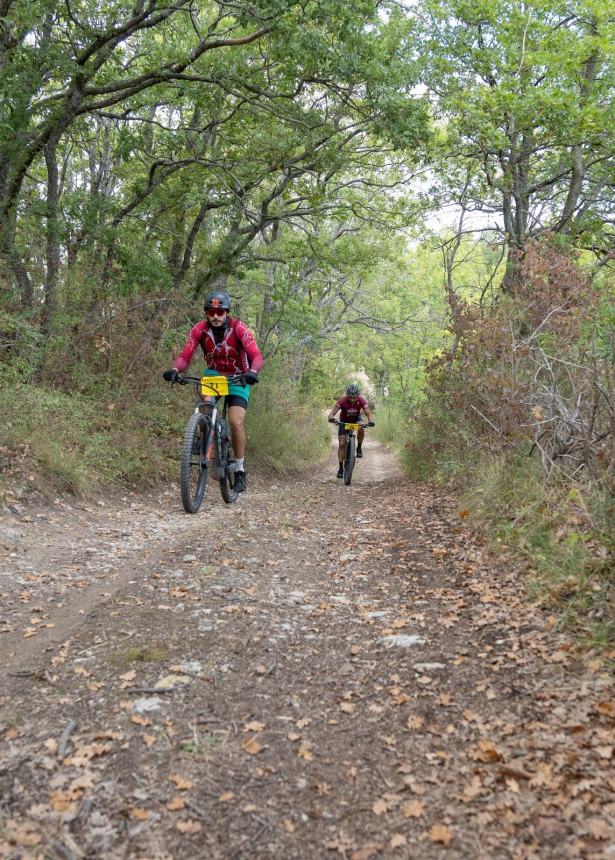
{"x":345,"y":675}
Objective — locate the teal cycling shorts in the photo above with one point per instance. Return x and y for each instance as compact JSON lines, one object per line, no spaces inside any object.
{"x":234,"y":389}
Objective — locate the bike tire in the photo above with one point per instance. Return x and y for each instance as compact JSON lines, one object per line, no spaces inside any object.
{"x":226,"y":483}
{"x":194,"y":464}
{"x":349,"y":460}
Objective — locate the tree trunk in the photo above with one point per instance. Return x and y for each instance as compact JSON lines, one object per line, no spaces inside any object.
{"x":181,"y":272}
{"x":53,"y":231}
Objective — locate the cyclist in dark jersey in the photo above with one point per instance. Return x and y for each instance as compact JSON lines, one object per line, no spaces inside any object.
{"x":349,"y":408}
{"x":229,"y":348}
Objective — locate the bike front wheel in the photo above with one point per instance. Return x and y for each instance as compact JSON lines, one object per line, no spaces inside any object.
{"x":227,"y":464}
{"x":349,"y":460}
{"x":194,"y":462}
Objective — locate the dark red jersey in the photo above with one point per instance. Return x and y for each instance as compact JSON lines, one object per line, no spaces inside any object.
{"x":237,"y":351}
{"x":350,"y":411}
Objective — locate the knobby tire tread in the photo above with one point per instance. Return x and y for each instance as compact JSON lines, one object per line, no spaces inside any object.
{"x":226,"y":490}
{"x":191,"y":502}
{"x":349,"y":460}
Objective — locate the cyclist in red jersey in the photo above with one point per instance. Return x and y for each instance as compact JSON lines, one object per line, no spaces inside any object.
{"x":229,"y":348}
{"x":349,"y":408}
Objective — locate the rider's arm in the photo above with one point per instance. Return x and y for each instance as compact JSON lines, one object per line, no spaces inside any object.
{"x":334,"y":411}
{"x":194,"y":338}
{"x":366,"y":410}
{"x":249,"y":344}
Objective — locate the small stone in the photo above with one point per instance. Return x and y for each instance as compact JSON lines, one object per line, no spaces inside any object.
{"x":169,"y":682}
{"x":192,"y":667}
{"x":147,"y":703}
{"x":400,"y":641}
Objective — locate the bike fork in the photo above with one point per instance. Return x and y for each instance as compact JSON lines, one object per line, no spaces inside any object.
{"x":210,"y":444}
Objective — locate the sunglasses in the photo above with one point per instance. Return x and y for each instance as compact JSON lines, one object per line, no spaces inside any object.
{"x":216,"y":312}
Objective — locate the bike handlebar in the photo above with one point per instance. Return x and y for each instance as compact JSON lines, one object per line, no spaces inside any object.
{"x":360,"y":423}
{"x":237,"y":378}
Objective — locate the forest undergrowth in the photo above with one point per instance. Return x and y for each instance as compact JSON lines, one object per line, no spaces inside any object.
{"x":519,"y":415}
{"x":88,"y":413}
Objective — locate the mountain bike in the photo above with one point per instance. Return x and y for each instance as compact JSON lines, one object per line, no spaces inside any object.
{"x":350,"y":445}
{"x":207,"y":445}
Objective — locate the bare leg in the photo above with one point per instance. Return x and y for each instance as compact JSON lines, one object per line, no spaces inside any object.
{"x":360,"y":435}
{"x":341,"y":449}
{"x":236,"y":418}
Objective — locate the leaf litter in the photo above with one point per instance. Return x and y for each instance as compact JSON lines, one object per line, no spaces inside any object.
{"x":304,"y":726}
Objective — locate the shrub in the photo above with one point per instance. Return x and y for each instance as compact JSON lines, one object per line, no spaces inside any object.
{"x":522,"y":416}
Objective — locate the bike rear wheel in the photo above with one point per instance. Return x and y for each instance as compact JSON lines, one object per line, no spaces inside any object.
{"x":194,"y":462}
{"x":349,"y":460}
{"x":227,"y":463}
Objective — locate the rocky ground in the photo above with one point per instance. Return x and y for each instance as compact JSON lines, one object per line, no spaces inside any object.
{"x":317,"y":671}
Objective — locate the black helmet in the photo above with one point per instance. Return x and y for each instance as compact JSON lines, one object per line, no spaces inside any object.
{"x":218,"y":299}
{"x":353,"y":390}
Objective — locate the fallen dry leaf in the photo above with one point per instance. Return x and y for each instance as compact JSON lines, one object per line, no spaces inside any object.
{"x":606,"y":708}
{"x":228,"y":795}
{"x":22,"y":834}
{"x":599,"y":828}
{"x":176,"y":803}
{"x":81,"y":670}
{"x":83,"y":754}
{"x":398,"y":840}
{"x":251,"y":746}
{"x":305,"y":753}
{"x":367,"y":851}
{"x":485,"y":752}
{"x":254,"y":726}
{"x":441,"y":833}
{"x":86,"y":780}
{"x":180,"y":782}
{"x":380,"y":806}
{"x":413,"y":809}
{"x":471,"y":716}
{"x":189,"y":826}
{"x":138,"y":814}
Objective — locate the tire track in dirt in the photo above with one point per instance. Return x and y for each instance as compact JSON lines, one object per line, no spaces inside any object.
{"x":296,"y":729}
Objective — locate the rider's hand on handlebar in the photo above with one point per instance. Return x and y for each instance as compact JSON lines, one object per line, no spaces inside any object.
{"x":251,"y":377}
{"x":331,"y":420}
{"x":370,"y":424}
{"x":171,"y":375}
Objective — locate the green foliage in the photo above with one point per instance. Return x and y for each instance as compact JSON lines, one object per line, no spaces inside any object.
{"x":52,"y":441}
{"x":565,"y":537}
{"x":527,"y":116}
{"x":143,"y":654}
{"x":19,"y":340}
{"x":527,"y":392}
{"x":286,"y":431}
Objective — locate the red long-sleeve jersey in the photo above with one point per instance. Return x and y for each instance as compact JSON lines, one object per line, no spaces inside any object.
{"x":237,"y":352}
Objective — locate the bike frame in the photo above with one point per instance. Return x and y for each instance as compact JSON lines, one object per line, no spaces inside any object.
{"x":209,"y":406}
{"x":349,"y":434}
